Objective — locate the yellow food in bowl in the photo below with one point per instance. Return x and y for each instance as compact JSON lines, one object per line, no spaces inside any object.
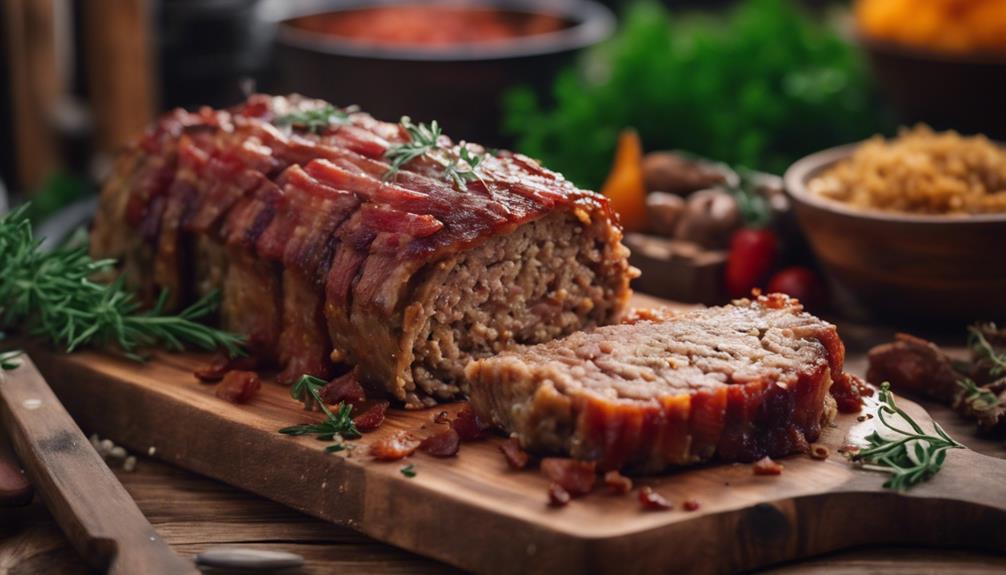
{"x":956,"y":26}
{"x":920,"y":172}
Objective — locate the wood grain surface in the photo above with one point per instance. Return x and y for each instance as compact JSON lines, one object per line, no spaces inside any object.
{"x":95,"y":513}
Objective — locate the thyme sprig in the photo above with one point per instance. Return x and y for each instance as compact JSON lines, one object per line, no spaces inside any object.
{"x":338,"y":424}
{"x":424,"y":141}
{"x":317,"y":119}
{"x":913,"y":456}
{"x":978,"y":397}
{"x":983,"y":350}
{"x":52,"y":294}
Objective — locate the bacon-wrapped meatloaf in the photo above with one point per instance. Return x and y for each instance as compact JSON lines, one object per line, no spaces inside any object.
{"x":323,"y":254}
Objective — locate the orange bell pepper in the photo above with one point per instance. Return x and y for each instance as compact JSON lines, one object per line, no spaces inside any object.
{"x":625,"y":186}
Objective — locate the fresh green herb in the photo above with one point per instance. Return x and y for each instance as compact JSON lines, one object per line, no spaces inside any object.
{"x":8,"y":359}
{"x":984,"y":351}
{"x":760,"y":86}
{"x":753,"y":206}
{"x":424,"y":140}
{"x":52,"y":294}
{"x":978,"y":398}
{"x":912,"y":456}
{"x":337,"y":426}
{"x":316,"y":120}
{"x":409,"y":471}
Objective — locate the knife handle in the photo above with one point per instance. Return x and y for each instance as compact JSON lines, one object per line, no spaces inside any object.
{"x":95,"y":512}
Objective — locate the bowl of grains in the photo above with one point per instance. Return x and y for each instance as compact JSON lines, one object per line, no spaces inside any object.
{"x":912,"y":227}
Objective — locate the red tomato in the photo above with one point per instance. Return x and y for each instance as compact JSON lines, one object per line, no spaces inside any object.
{"x":803,"y":284}
{"x":752,"y":255}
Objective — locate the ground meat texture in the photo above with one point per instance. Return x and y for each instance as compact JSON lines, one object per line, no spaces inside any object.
{"x":736,"y":383}
{"x":322,"y":259}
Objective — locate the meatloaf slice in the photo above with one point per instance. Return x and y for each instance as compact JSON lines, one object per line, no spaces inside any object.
{"x":736,"y":382}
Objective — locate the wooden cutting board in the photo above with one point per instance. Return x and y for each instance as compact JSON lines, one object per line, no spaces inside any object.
{"x":474,"y":512}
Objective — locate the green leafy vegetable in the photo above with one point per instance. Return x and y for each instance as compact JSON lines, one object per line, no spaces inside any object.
{"x":409,"y":471}
{"x":338,"y":424}
{"x":52,"y":294}
{"x":910,"y":455}
{"x":759,"y":86}
{"x":317,"y":119}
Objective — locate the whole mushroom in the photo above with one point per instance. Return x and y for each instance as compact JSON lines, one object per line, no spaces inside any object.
{"x":710,"y":216}
{"x":664,"y":210}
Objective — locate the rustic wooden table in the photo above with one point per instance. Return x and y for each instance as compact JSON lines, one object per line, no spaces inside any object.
{"x":193,"y":513}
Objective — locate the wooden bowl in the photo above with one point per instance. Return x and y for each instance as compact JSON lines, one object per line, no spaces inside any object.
{"x":920,"y":268}
{"x":964,"y":92}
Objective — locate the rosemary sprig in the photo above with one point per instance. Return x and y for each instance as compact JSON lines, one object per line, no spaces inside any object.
{"x":51,"y":294}
{"x":424,"y":140}
{"x":913,"y":457}
{"x":983,"y":350}
{"x":977,"y":397}
{"x":338,"y":425}
{"x":318,"y":119}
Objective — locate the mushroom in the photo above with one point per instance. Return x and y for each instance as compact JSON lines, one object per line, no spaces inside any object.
{"x":709,"y":218}
{"x":673,"y":173}
{"x":664,"y":210}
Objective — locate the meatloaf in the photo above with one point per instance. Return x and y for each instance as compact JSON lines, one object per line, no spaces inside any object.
{"x":327,"y":258}
{"x":736,"y":383}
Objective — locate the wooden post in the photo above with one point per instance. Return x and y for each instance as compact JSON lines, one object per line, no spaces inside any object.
{"x":35,"y":86}
{"x":120,"y":68}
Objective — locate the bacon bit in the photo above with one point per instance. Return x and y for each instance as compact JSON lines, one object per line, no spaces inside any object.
{"x":372,"y":417}
{"x":617,"y":483}
{"x":443,"y":444}
{"x":344,"y":389}
{"x":691,"y":505}
{"x":574,"y":475}
{"x":515,"y":455}
{"x":442,"y":417}
{"x":765,"y":466}
{"x":818,"y":451}
{"x":396,"y":446}
{"x":653,"y":501}
{"x":469,"y":425}
{"x":221,"y":364}
{"x":557,"y":496}
{"x":238,"y":386}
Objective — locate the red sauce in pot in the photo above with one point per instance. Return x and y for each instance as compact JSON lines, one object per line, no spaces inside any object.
{"x":429,"y":26}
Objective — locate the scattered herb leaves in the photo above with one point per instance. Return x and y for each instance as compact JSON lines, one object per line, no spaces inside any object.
{"x":52,"y":294}
{"x":338,"y":424}
{"x":979,"y":398}
{"x":317,"y":119}
{"x":983,"y":350}
{"x":409,"y":471}
{"x":424,"y":140}
{"x":913,"y":457}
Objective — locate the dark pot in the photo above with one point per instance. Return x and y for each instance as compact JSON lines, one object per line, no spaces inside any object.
{"x":460,"y":87}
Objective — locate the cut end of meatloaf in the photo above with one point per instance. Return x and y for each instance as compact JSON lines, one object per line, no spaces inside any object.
{"x":737,"y":383}
{"x":542,"y":281}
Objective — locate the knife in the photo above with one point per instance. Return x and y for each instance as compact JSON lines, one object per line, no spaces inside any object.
{"x":92,"y":508}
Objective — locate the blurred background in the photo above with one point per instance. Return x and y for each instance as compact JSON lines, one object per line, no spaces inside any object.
{"x":739,"y":90}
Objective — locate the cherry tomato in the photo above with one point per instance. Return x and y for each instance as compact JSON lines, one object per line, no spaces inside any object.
{"x":803,"y":284}
{"x":751,"y":257}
